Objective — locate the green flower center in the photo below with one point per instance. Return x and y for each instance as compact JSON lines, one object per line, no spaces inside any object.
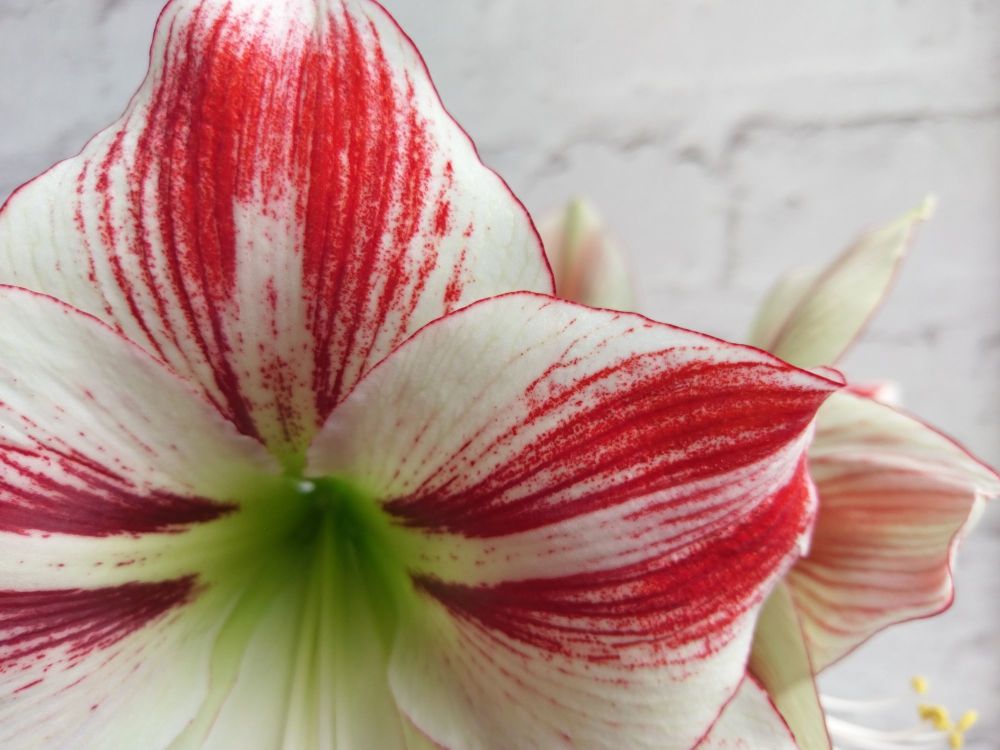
{"x":359,"y":559}
{"x":320,"y":588}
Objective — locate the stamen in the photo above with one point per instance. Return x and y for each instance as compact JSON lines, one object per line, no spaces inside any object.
{"x":968,"y":719}
{"x":956,"y":739}
{"x":942,"y":733}
{"x":936,"y":715}
{"x":848,"y":735}
{"x":851,"y":706}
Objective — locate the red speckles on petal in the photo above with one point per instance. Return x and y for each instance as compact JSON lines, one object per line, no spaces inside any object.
{"x":97,"y":438}
{"x":41,"y":490}
{"x":597,"y":505}
{"x":441,"y":218}
{"x":283,"y":203}
{"x":663,"y":603}
{"x":313,"y":131}
{"x":78,"y":622}
{"x":672,"y":427}
{"x":453,"y":291}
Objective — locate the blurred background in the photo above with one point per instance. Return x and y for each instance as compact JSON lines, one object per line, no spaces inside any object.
{"x":724,"y":143}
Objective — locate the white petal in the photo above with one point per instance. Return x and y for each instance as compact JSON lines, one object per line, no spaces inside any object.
{"x":750,"y":722}
{"x":125,"y":500}
{"x":106,"y":457}
{"x":896,"y":499}
{"x":812,"y":317}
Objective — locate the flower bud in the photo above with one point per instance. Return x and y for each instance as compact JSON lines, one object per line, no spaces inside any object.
{"x":588,"y":265}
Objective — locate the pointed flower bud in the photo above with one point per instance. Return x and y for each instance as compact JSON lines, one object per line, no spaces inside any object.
{"x":587,"y":263}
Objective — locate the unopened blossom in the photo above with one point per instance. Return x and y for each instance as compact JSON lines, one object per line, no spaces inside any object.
{"x":587,"y":262}
{"x":896,"y":498}
{"x":296,"y":450}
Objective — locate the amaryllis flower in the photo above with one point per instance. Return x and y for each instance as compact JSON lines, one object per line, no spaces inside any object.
{"x":272,"y":477}
{"x":896,"y":497}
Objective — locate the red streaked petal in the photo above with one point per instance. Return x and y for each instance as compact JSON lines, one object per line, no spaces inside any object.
{"x":113,"y":471}
{"x":80,"y":621}
{"x":750,"y":722}
{"x":97,"y":438}
{"x":119,"y":666}
{"x":70,"y":659}
{"x":119,"y":486}
{"x":643,"y":655}
{"x":284,"y":201}
{"x":663,"y":603}
{"x":598,"y":502}
{"x":524,"y":411}
{"x":896,"y":497}
{"x":488,"y":686}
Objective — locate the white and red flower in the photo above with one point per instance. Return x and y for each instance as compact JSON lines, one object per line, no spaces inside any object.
{"x":896,"y":495}
{"x":295,"y":451}
{"x":895,"y":499}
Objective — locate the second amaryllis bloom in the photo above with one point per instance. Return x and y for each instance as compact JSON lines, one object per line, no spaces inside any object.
{"x":274,"y":474}
{"x":896,"y":497}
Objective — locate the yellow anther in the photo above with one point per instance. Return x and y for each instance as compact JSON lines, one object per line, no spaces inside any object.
{"x":920,"y":684}
{"x":968,"y":719}
{"x":956,"y":741}
{"x":936,"y":715}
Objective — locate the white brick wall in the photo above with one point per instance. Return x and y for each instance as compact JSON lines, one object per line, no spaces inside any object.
{"x":725,"y":142}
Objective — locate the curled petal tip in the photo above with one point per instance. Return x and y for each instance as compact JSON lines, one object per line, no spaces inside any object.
{"x":927,"y":208}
